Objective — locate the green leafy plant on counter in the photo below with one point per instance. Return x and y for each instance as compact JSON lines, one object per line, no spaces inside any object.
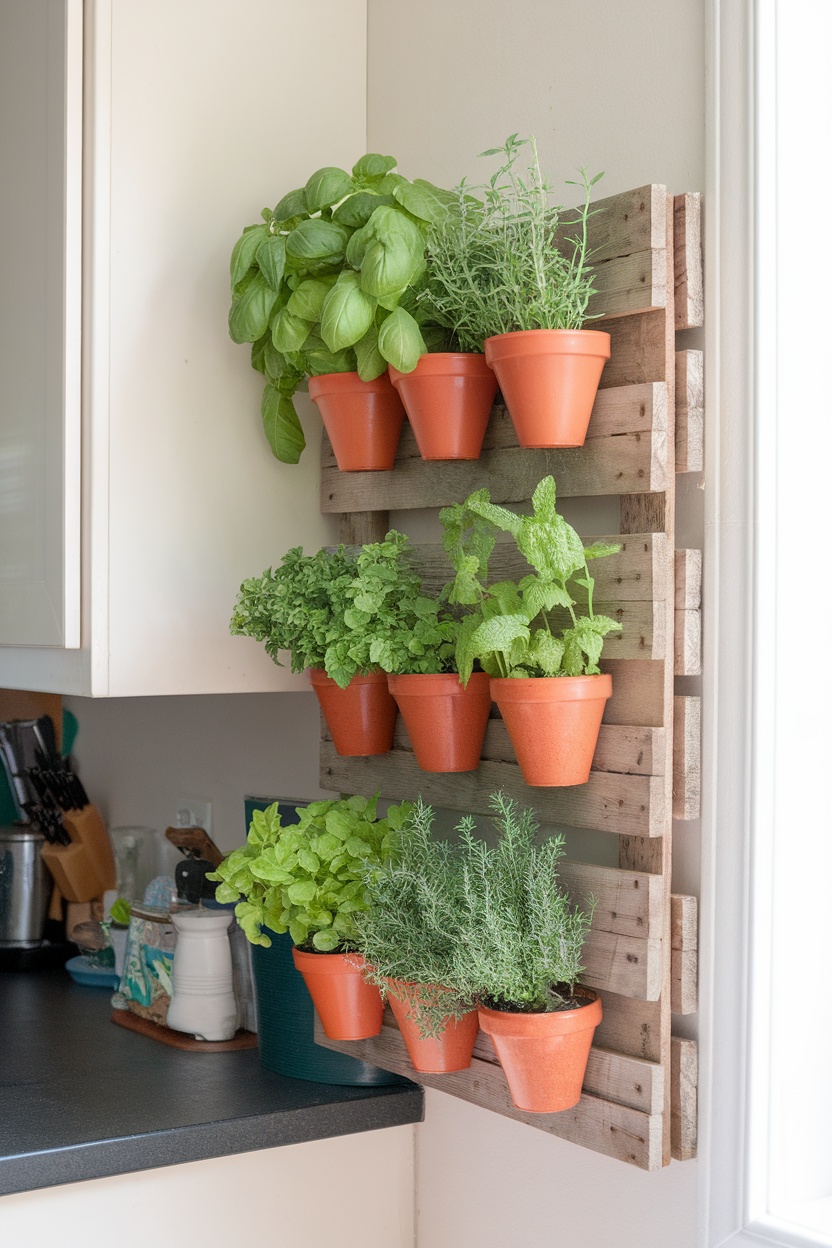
{"x":512,"y":628}
{"x":518,"y":937}
{"x":309,"y":878}
{"x":327,"y":283}
{"x":412,"y":923}
{"x":299,"y":607}
{"x":402,"y":630}
{"x":505,"y":258}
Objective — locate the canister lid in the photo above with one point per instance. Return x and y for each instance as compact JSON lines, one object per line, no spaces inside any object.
{"x":20,"y":832}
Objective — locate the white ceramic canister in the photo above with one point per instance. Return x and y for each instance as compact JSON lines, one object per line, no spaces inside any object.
{"x":203,"y":1002}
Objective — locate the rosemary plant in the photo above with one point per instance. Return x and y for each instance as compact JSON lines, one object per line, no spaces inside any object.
{"x":519,"y":938}
{"x":495,"y":263}
{"x":411,"y":925}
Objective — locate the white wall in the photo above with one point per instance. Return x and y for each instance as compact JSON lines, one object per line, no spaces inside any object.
{"x":618,"y":87}
{"x":354,"y":1190}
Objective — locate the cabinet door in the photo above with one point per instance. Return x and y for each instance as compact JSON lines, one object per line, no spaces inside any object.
{"x":40,"y":281}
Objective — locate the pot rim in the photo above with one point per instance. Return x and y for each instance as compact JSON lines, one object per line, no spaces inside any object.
{"x":446,"y":363}
{"x":327,"y":383}
{"x":593,"y":342}
{"x":433,"y":684}
{"x":318,"y":676}
{"x":328,"y":963}
{"x":551,"y":688}
{"x":534,"y":1026}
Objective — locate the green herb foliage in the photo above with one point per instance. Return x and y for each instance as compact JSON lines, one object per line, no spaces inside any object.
{"x":327,"y":283}
{"x":409,"y":931}
{"x":512,"y":628}
{"x":308,"y":878}
{"x":518,"y":938}
{"x":493,"y":263}
{"x":300,"y":607}
{"x":393,"y":623}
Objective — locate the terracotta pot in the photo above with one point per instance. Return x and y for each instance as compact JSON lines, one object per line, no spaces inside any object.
{"x":448,"y":399}
{"x":553,"y":723}
{"x":361,"y":717}
{"x":440,"y":1054}
{"x":349,"y":1008}
{"x":363,"y":419}
{"x":445,"y":722}
{"x":544,"y":1056}
{"x":549,"y":379}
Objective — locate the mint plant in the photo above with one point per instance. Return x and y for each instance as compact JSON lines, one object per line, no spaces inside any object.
{"x":327,"y":283}
{"x":393,"y":623}
{"x":494,"y":262}
{"x":309,"y":878}
{"x":511,"y":629}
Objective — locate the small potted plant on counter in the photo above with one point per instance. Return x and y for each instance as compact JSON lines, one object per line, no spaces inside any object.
{"x":300,"y":607}
{"x":307,"y":878}
{"x":413,"y":638}
{"x":324,"y":288}
{"x":502,"y":275}
{"x":545,"y":677}
{"x":407,"y":933}
{"x":517,"y":952}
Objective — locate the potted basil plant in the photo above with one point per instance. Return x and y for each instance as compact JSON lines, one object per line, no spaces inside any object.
{"x":324,"y":289}
{"x":541,"y":653}
{"x":300,"y":607}
{"x":408,"y":933}
{"x":517,"y":952}
{"x":509,"y":274}
{"x":413,"y":637}
{"x":307,"y":878}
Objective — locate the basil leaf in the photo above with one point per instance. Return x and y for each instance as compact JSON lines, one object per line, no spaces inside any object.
{"x":308,"y":299}
{"x":281,"y":426}
{"x":357,"y":210}
{"x":326,"y":186}
{"x":258,"y":353}
{"x":317,"y":240}
{"x":289,"y":332}
{"x":291,"y":205}
{"x":400,"y":341}
{"x":250,"y":312}
{"x":271,"y":257}
{"x":320,"y":360}
{"x":245,"y":249}
{"x":395,"y":256}
{"x":424,"y":200}
{"x":347,"y":313}
{"x":373,"y":166}
{"x":371,"y":363}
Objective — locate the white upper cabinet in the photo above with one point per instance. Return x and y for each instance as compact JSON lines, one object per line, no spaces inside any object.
{"x":196,"y":115}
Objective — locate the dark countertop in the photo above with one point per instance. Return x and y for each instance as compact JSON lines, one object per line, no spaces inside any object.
{"x":81,"y":1098}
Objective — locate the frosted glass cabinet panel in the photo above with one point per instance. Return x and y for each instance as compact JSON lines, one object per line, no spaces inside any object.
{"x":40,"y":321}
{"x":187,"y":134}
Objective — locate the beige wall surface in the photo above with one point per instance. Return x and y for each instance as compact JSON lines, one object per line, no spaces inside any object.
{"x":620,"y":88}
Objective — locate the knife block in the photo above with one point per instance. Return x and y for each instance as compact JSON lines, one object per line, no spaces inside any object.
{"x":86,"y":868}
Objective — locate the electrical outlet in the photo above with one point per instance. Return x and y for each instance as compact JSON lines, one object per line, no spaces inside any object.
{"x":193,"y":812}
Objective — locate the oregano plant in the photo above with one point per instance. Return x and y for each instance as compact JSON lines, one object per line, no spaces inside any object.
{"x":512,"y":629}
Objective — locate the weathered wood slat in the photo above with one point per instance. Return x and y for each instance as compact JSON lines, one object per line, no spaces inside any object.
{"x":626,"y":805}
{"x":688,"y":580}
{"x":688,"y":644}
{"x":687,"y":262}
{"x":628,"y":902}
{"x":684,"y":969}
{"x":623,"y":964}
{"x":604,"y":1126}
{"x":637,"y":692}
{"x":621,"y":224}
{"x":629,"y":284}
{"x":684,"y":1080}
{"x":631,"y":1027}
{"x":630,"y":463}
{"x":624,"y":409}
{"x":690,"y":411}
{"x":637,"y":348}
{"x":687,"y":757}
{"x":358,"y":527}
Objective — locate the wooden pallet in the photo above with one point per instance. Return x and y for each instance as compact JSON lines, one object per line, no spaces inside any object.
{"x":636,"y":1105}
